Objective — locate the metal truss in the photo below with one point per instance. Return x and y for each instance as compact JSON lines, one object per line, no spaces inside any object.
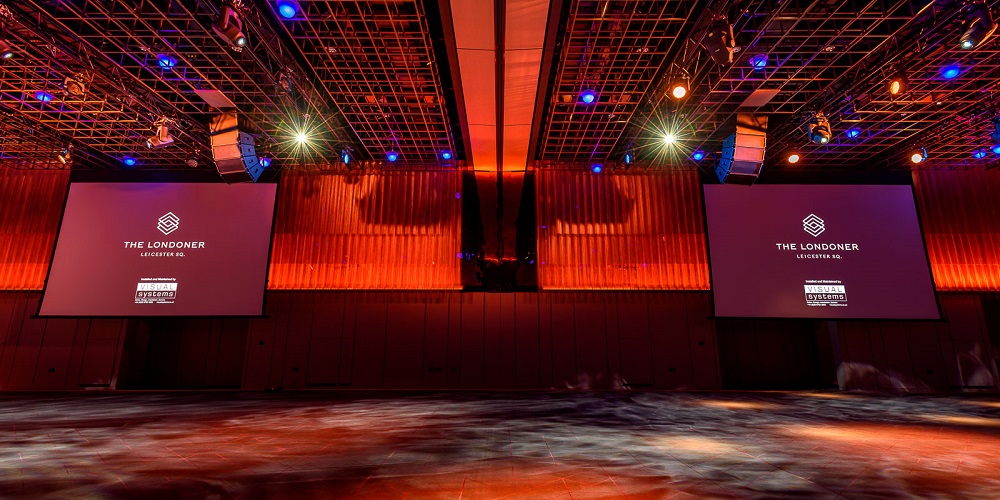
{"x":618,"y":49}
{"x":376,"y":61}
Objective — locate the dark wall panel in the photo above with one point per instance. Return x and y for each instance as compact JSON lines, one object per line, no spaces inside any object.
{"x":559,"y":340}
{"x":55,"y":354}
{"x":956,"y":354}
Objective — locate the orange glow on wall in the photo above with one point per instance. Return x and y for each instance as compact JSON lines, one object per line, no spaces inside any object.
{"x":620,"y":231}
{"x":32,"y":202}
{"x":960,"y":212}
{"x":387,"y":230}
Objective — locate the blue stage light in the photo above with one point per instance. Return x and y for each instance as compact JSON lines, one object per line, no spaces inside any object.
{"x":950,"y":72}
{"x":165,"y":61}
{"x":128,"y":160}
{"x":44,"y":96}
{"x":996,"y":149}
{"x":759,"y":61}
{"x":446,"y":154}
{"x":265,"y":161}
{"x":596,"y":168}
{"x":698,"y":155}
{"x":392,"y":156}
{"x":588,"y":96}
{"x":287,"y":8}
{"x":979,"y":153}
{"x":853,"y":132}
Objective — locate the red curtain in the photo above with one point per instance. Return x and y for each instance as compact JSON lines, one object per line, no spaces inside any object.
{"x":960,"y":211}
{"x":620,"y":231}
{"x":389,"y":230}
{"x":32,"y":202}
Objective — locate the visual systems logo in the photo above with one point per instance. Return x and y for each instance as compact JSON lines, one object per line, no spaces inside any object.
{"x":812,"y":224}
{"x":168,"y":223}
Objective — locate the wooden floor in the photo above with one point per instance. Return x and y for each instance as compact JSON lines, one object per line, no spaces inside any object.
{"x":497,"y":445}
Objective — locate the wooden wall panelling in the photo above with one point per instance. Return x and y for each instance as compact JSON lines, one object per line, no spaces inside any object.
{"x":564,"y":349}
{"x":527,"y":342}
{"x":456,"y":307}
{"x":299,"y":333}
{"x":703,"y":344}
{"x":591,"y":341}
{"x":493,"y":358}
{"x":261,"y":344}
{"x":369,"y":347}
{"x":473,"y":341}
{"x":669,"y":338}
{"x":326,"y":341}
{"x":404,"y":345}
{"x":435,"y":343}
{"x":635,"y":348}
{"x":508,"y":340}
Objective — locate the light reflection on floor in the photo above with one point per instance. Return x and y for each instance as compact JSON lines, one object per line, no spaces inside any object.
{"x":497,"y":445}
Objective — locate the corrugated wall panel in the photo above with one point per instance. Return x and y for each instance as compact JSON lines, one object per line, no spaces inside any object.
{"x":960,"y":212}
{"x":31,"y":203}
{"x":388,"y":230}
{"x":622,"y":231}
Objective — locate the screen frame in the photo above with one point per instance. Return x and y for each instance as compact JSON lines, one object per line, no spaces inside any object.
{"x":55,"y":244}
{"x":834,"y":182}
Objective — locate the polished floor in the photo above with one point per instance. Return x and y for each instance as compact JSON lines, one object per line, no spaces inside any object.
{"x":221,"y":445}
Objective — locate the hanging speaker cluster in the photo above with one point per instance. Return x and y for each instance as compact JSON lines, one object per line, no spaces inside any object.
{"x":743,"y":151}
{"x":233,"y":149}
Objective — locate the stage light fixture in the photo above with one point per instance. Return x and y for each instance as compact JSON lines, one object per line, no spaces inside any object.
{"x":853,"y":132}
{"x":66,"y":156}
{"x":669,"y":139}
{"x":162,"y":138}
{"x":76,"y":85}
{"x":301,"y":138}
{"x":345,"y":156}
{"x":719,"y":41}
{"x":979,"y":153}
{"x":898,"y":83}
{"x":166,"y":61}
{"x":819,"y":129}
{"x":588,"y":96}
{"x":996,"y":149}
{"x":698,"y":155}
{"x":192,"y":162}
{"x":979,"y":26}
{"x":129,"y":161}
{"x":6,"y":51}
{"x":918,"y":155}
{"x":446,"y":154}
{"x":44,"y":96}
{"x":996,"y":130}
{"x":287,"y":8}
{"x":951,"y":71}
{"x":265,"y":161}
{"x":679,"y":89}
{"x":392,"y":156}
{"x":758,"y":61}
{"x":596,"y":168}
{"x":229,"y":27}
{"x":629,"y":157}
{"x":793,"y":157}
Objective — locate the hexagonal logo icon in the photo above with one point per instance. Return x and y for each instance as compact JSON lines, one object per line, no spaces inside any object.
{"x":813,"y":225}
{"x":168,"y":223}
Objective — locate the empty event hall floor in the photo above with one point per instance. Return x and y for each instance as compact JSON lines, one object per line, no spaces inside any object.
{"x":497,"y":445}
